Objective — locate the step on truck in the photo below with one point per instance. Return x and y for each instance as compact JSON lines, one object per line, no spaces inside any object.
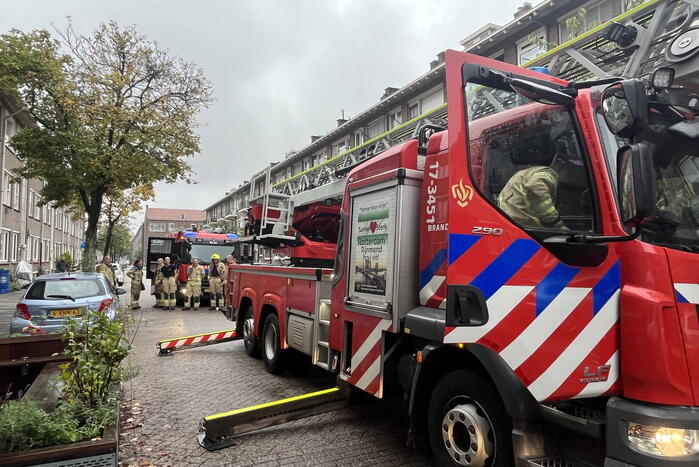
{"x":525,"y":320}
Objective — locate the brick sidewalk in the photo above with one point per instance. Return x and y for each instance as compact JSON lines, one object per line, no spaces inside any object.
{"x":174,"y":393}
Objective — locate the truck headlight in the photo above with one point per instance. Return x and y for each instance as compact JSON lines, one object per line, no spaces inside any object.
{"x":663,"y":441}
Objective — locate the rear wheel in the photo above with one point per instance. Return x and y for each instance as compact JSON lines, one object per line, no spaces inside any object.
{"x":249,"y":338}
{"x":272,"y":354}
{"x":467,"y":423}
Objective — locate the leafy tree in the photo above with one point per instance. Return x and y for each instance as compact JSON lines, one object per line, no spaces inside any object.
{"x":119,"y":205}
{"x":119,"y":236}
{"x":114,"y":111}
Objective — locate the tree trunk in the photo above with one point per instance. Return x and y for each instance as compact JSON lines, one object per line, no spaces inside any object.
{"x":93,"y":216}
{"x":108,"y":238}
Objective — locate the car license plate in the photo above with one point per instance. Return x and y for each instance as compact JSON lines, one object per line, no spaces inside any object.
{"x":66,"y":312}
{"x":207,"y":290}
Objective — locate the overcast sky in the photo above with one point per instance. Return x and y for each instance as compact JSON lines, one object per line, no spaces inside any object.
{"x":282,"y":70}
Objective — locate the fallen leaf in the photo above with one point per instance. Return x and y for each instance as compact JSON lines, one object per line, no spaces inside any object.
{"x":144,"y":463}
{"x":129,"y":420}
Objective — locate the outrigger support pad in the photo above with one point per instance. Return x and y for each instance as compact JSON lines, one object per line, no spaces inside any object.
{"x":219,"y":431}
{"x":167,"y":346}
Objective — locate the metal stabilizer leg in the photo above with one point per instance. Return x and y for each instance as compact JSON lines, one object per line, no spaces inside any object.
{"x":218,"y":431}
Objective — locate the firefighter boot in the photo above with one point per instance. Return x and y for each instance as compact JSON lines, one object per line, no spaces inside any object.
{"x":213,"y":302}
{"x":196,"y":303}
{"x":187,"y":303}
{"x":219,"y":301}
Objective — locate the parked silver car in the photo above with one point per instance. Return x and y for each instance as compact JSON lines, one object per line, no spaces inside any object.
{"x":52,"y":298}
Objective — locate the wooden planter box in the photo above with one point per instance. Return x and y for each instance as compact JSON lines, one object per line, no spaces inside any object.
{"x":36,"y":354}
{"x":102,"y":453}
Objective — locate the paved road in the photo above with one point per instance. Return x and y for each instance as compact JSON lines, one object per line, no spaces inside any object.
{"x":166,"y":401}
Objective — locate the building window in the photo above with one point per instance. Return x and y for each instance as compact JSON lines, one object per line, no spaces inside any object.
{"x":394,"y":119}
{"x":358,"y":138}
{"x":432,"y":101}
{"x":35,"y":252}
{"x":594,"y":16}
{"x":14,"y":246}
{"x":413,"y":110}
{"x":376,"y":128}
{"x":171,"y":227}
{"x":157,"y":227}
{"x":15,"y":195}
{"x":528,"y":50}
{"x":4,"y":244}
{"x":182,"y":217}
{"x":36,"y":207}
{"x":32,"y":197}
{"x":6,"y":180}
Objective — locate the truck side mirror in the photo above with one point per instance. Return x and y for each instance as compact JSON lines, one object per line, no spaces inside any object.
{"x":636,"y":184}
{"x":625,"y":107}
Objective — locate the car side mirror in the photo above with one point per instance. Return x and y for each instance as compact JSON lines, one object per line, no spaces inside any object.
{"x":625,"y":107}
{"x":119,"y":291}
{"x":636,"y":184}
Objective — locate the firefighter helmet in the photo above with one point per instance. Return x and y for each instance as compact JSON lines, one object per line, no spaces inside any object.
{"x":215,"y":256}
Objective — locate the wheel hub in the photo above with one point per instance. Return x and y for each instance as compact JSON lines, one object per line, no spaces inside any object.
{"x":270,"y":342}
{"x":248,"y":326}
{"x":467,"y":435}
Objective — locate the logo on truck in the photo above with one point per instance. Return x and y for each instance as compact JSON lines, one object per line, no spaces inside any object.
{"x":463,"y":194}
{"x":596,"y":375}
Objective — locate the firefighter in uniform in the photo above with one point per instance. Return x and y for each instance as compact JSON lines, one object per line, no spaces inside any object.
{"x":530,"y":196}
{"x":160,"y":301}
{"x":217,"y":275}
{"x":169,"y":284}
{"x":195,"y":273}
{"x":105,"y":267}
{"x":136,"y":275}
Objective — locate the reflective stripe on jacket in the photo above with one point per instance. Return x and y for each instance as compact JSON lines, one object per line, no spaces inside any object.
{"x":529,"y":197}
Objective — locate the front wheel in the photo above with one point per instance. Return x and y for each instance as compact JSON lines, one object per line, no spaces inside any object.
{"x":467,"y":423}
{"x":272,"y":353}
{"x":249,"y":338}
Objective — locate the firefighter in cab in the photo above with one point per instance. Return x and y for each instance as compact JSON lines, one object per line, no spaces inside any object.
{"x":195,"y":273}
{"x":169,"y":272}
{"x":530,"y":196}
{"x":217,"y":274}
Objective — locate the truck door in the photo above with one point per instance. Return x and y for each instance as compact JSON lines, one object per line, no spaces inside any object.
{"x":157,"y":248}
{"x":551,"y":308}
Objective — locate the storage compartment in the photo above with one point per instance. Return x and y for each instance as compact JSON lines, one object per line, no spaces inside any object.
{"x":300,"y":333}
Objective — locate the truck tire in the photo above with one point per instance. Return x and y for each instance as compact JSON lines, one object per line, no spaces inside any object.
{"x":467,"y":423}
{"x":249,"y":338}
{"x":272,"y":353}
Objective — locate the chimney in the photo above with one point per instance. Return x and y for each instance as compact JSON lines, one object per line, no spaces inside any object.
{"x":342,"y":120}
{"x":526,"y":6}
{"x":288,"y":154}
{"x":314,"y":138}
{"x":387,"y":92}
{"x":438,"y":61}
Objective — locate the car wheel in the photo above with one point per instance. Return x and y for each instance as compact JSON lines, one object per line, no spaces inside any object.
{"x":467,"y":423}
{"x":249,"y":338}
{"x":272,"y":353}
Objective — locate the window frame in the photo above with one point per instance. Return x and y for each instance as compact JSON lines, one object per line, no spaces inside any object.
{"x":153,"y":224}
{"x":525,"y":41}
{"x":584,"y":155}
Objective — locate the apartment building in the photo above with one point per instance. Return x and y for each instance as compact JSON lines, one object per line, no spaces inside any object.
{"x":532,"y":31}
{"x":28,"y":231}
{"x":160,"y":222}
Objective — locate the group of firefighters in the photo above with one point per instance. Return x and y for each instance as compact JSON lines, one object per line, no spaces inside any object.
{"x":165,"y":282}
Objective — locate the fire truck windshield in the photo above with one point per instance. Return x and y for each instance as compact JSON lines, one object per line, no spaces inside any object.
{"x":676,"y":170}
{"x":204,"y":251}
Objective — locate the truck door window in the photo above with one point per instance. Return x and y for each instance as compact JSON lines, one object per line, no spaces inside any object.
{"x":526,"y":159}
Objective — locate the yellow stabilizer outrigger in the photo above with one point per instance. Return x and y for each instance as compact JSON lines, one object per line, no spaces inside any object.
{"x":217,"y":431}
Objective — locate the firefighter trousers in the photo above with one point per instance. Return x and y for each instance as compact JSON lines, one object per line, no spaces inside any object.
{"x":193,"y":294}
{"x":216,"y":286}
{"x":169,"y":290}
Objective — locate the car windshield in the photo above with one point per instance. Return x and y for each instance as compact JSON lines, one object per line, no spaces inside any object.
{"x":676,"y":171}
{"x":204,"y":252}
{"x":57,"y":289}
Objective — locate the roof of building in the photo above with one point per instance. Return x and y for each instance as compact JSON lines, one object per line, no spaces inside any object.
{"x":166,"y":214}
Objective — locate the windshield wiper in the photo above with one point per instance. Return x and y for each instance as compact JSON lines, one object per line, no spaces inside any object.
{"x":60,"y":296}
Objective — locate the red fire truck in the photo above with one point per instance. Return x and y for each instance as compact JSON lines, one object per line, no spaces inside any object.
{"x":185,"y":245}
{"x":514,"y":342}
